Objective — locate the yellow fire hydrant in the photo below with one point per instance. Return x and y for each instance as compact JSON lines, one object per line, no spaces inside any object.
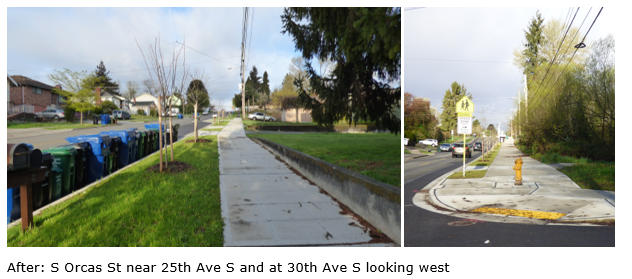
{"x":518,"y":169}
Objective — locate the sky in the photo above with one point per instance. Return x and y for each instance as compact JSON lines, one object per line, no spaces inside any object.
{"x":80,"y":38}
{"x":482,"y":40}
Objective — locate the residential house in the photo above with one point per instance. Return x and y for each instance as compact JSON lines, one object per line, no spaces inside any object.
{"x":32,"y":95}
{"x":145,"y":102}
{"x":103,"y":95}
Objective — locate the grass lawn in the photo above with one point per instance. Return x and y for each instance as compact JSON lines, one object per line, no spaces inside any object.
{"x":588,"y":174}
{"x":596,"y":176}
{"x":50,"y":125}
{"x":212,"y":130}
{"x":489,"y":158}
{"x":468,"y":174}
{"x":142,"y":118}
{"x":136,"y":208}
{"x":248,"y":122}
{"x":406,"y":151}
{"x":375,"y":155}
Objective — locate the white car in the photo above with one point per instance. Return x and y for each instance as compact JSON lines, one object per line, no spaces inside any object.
{"x":205,"y":112}
{"x":260,"y":116}
{"x":432,"y":142}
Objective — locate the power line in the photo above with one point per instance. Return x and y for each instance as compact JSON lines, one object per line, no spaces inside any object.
{"x":577,"y":48}
{"x":216,"y":59}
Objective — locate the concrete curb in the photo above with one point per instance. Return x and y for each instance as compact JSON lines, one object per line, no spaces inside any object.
{"x":375,"y":201}
{"x":100,"y":126}
{"x":86,"y":187}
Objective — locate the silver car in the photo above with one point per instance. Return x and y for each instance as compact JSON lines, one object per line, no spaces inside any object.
{"x":260,"y":116}
{"x":51,"y":114}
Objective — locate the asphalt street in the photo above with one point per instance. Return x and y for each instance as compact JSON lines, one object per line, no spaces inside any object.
{"x":43,"y":139}
{"x":423,"y":228}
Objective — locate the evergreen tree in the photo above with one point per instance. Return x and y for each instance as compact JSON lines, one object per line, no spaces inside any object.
{"x":449,"y":115}
{"x":365,"y":43}
{"x":534,"y":41}
{"x":106,"y":83}
{"x":265,"y":84}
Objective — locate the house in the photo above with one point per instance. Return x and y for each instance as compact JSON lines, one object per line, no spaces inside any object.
{"x":145,"y":102}
{"x":32,"y":96}
{"x":304,"y":116}
{"x":103,"y":95}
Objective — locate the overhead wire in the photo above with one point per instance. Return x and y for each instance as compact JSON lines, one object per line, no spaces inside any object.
{"x":577,"y":49}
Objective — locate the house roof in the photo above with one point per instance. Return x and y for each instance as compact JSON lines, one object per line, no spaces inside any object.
{"x":108,"y":93}
{"x":13,"y":83}
{"x":22,"y":80}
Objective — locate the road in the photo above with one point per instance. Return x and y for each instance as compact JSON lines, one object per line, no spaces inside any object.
{"x":43,"y":139}
{"x":423,"y":228}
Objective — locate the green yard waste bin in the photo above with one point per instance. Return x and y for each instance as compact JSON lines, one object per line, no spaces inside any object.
{"x":113,"y":164}
{"x":148,"y":138}
{"x":141,"y":144}
{"x":156,"y":135}
{"x":65,"y":160}
{"x":56,"y":184}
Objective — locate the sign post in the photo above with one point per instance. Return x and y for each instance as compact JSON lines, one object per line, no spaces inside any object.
{"x":464,"y":109}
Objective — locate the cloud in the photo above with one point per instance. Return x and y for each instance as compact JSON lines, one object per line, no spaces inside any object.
{"x":41,"y":40}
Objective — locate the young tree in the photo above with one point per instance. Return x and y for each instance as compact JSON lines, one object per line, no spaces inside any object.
{"x":166,"y":79}
{"x":106,"y":81}
{"x":132,"y":90}
{"x":77,"y":87}
{"x":365,"y":43}
{"x":197,"y":96}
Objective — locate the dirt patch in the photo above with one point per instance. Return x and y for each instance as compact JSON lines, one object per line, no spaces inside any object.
{"x":172,"y":167}
{"x":199,"y":141}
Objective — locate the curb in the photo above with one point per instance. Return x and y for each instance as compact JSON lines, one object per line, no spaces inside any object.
{"x":100,"y":126}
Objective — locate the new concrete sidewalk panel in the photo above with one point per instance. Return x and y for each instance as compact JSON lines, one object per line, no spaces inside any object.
{"x":266,"y":204}
{"x":377,"y":202}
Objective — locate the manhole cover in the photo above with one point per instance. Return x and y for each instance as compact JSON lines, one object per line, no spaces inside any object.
{"x":461,"y":223}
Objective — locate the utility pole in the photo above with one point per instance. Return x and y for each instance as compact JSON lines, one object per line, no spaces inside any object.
{"x":243,"y":87}
{"x":526,"y":97}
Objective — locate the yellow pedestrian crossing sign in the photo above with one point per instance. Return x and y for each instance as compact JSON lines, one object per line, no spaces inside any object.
{"x":465,"y":105}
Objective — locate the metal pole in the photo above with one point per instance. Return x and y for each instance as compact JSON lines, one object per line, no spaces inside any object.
{"x":464,"y":152}
{"x":243,"y":89}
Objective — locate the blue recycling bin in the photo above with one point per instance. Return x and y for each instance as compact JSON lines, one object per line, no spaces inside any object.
{"x":155,"y":126}
{"x":97,"y":157}
{"x":105,"y":119}
{"x":125,"y":148}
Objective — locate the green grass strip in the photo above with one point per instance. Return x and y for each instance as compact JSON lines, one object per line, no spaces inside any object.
{"x":137,"y":208}
{"x":375,"y":155}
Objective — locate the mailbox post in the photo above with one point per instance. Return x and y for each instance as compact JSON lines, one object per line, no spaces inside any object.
{"x":25,"y":179}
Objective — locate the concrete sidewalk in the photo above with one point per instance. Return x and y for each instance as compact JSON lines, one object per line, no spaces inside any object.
{"x":264,"y":203}
{"x":547,"y":196}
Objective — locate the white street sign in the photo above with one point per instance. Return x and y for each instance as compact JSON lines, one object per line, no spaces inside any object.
{"x":465,"y":125}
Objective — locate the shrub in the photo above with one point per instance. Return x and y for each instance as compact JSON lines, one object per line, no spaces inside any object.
{"x":153,"y":112}
{"x":140,"y":112}
{"x":108,"y":107}
{"x":412,"y":138}
{"x":69,"y":114}
{"x":97,"y":110}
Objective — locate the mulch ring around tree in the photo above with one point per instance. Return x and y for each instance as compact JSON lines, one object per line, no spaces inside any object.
{"x":172,"y":167}
{"x":199,"y":140}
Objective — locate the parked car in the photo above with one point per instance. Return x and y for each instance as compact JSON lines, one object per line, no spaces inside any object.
{"x":121,"y":114}
{"x":260,"y":116}
{"x":478,"y":146}
{"x":205,"y":112}
{"x":432,"y":142}
{"x":51,"y":113}
{"x":459,"y":150}
{"x":446,"y":147}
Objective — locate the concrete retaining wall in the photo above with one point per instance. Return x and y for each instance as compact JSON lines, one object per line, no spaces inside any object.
{"x":343,"y":129}
{"x":376,"y":202}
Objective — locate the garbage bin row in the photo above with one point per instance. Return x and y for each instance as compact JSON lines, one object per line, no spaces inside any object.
{"x":86,"y":159}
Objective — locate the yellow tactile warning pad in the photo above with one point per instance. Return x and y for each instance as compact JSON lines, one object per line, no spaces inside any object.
{"x":520,"y":213}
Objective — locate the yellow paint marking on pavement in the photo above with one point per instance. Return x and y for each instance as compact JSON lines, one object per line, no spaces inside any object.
{"x":425,"y":164}
{"x":520,"y":213}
